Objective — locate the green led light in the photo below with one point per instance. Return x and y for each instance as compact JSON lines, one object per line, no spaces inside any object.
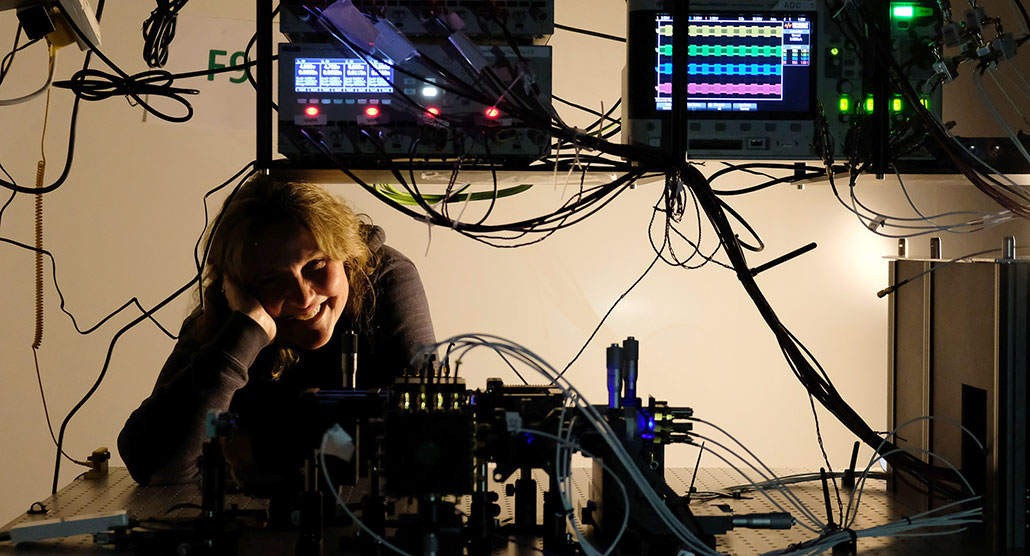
{"x":834,"y":51}
{"x":902,"y":11}
{"x":845,"y":104}
{"x":869,"y":104}
{"x":925,"y":102}
{"x":896,"y":104}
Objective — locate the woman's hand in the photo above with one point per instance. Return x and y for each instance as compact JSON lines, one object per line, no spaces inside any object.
{"x":241,"y":300}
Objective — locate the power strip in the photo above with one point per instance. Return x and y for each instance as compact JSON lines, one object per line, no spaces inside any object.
{"x":85,"y":19}
{"x":67,"y":527}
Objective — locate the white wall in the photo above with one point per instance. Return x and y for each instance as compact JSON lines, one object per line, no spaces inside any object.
{"x":125,"y":223}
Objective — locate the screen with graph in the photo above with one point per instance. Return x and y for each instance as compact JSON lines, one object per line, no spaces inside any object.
{"x":739,"y":64}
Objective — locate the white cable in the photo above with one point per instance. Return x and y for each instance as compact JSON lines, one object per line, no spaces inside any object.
{"x":469,"y":341}
{"x":873,"y":223}
{"x":978,"y":83}
{"x":684,"y":534}
{"x":41,"y":90}
{"x":899,"y":528}
{"x":1019,"y":74}
{"x":794,"y":501}
{"x":343,"y":505}
{"x":1018,"y":88}
{"x":787,"y":493}
{"x":955,"y":140}
{"x":1014,"y":6}
{"x":877,"y":455}
{"x":1005,"y":93}
{"x":566,"y":500}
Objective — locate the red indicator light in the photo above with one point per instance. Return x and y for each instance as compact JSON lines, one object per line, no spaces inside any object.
{"x":371,"y":111}
{"x":311,"y":111}
{"x":433,"y":110}
{"x":492,"y":112}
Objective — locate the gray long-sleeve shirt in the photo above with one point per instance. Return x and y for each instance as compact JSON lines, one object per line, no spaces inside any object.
{"x":162,"y":439}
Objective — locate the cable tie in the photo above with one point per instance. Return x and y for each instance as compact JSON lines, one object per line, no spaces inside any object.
{"x":907,"y":519}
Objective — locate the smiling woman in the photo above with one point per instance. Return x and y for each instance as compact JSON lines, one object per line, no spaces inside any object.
{"x":290,"y":268}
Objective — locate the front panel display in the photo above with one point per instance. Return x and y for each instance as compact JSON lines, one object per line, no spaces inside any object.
{"x":341,"y":75}
{"x":739,"y":64}
{"x":363,"y":108}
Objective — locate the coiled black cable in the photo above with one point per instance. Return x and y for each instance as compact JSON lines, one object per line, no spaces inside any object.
{"x":91,"y":84}
{"x":159,"y":30}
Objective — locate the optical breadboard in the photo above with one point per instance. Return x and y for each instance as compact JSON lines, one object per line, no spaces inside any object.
{"x":333,"y":102}
{"x":497,"y":19}
{"x":758,"y":74}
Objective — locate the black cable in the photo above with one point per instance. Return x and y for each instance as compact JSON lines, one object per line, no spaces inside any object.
{"x":820,"y":388}
{"x":770,"y":183}
{"x":1022,"y":11}
{"x":197,"y":278}
{"x":99,"y":85}
{"x":747,"y":226}
{"x":531,"y":117}
{"x":614,"y":188}
{"x":965,"y":162}
{"x":95,"y":85}
{"x":8,"y":60}
{"x":53,"y":264}
{"x":105,"y":85}
{"x":695,"y":243}
{"x":601,"y":116}
{"x":589,"y":32}
{"x":826,"y":459}
{"x":9,"y":199}
{"x":103,"y":373}
{"x":74,"y":119}
{"x":71,"y":136}
{"x":197,"y":258}
{"x":159,"y":30}
{"x":151,"y":82}
{"x":248,"y":64}
{"x":750,"y":166}
{"x":605,"y":317}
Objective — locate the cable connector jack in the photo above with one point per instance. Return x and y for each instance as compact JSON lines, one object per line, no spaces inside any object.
{"x":98,"y":464}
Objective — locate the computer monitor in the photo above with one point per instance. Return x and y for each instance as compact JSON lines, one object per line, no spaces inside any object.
{"x":740,"y":64}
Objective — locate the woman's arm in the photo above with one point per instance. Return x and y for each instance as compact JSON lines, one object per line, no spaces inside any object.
{"x":162,"y":439}
{"x":401,"y":322}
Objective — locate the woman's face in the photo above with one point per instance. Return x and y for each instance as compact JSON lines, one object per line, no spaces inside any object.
{"x":299,"y":286}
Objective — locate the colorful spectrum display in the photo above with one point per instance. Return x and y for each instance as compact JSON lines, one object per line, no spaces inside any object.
{"x":742,"y":61}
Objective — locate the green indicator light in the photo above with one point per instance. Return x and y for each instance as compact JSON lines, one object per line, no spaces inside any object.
{"x":925,"y":102}
{"x":896,"y":105}
{"x":922,"y":11}
{"x":845,"y":104}
{"x":869,"y":104}
{"x":902,"y":11}
{"x":834,"y":51}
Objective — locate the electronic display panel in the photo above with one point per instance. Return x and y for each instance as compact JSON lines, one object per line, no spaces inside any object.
{"x":341,"y":75}
{"x":740,"y":65}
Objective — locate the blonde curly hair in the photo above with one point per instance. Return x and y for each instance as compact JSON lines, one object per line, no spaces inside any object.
{"x":263,"y":202}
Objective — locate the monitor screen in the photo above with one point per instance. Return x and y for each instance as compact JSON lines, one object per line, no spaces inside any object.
{"x":341,"y":75}
{"x":739,"y":64}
